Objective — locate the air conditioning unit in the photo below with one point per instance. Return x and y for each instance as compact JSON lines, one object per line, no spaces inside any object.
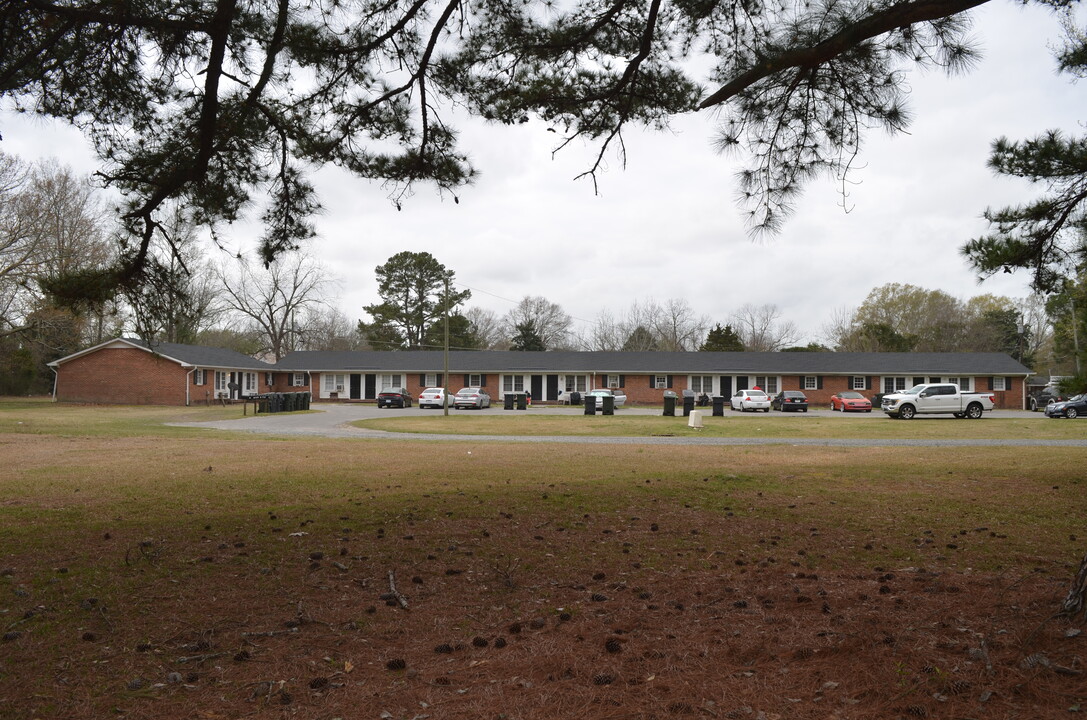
{"x":339,"y":388}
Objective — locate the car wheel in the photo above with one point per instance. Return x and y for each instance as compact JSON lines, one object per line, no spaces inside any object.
{"x":1033,"y":405}
{"x":906,"y":412}
{"x":1071,"y":413}
{"x":974,"y":411}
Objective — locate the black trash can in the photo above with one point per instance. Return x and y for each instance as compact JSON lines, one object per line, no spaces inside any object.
{"x":306,"y":397}
{"x":522,"y":401}
{"x":609,"y":405}
{"x":275,"y":402}
{"x":688,"y":405}
{"x":575,"y":398}
{"x":590,"y":405}
{"x":718,"y":406}
{"x":507,"y":401}
{"x":669,"y":405}
{"x":288,"y":401}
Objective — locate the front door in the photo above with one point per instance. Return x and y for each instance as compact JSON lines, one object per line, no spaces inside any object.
{"x":371,"y":387}
{"x":356,"y":386}
{"x":552,"y":387}
{"x":536,"y":386}
{"x":726,"y":386}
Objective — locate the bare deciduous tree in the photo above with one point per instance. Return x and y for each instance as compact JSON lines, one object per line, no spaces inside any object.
{"x":277,"y":300}
{"x":761,"y":328}
{"x":550,"y":321}
{"x":487,"y":327}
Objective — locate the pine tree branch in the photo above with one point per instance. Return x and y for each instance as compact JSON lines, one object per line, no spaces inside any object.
{"x":874,"y":25}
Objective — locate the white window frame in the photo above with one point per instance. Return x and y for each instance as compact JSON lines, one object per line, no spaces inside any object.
{"x":391,"y":380}
{"x":431,"y":380}
{"x":701,"y":383}
{"x":575,"y":383}
{"x":200,"y":377}
{"x":268,"y":377}
{"x":769,"y":383}
{"x":475,"y":381}
{"x":221,"y":380}
{"x":249,"y":383}
{"x":857,"y":382}
{"x":513,"y":383}
{"x":333,"y":383}
{"x":809,"y":382}
{"x":613,"y":381}
{"x":660,"y":382}
{"x":298,"y":379}
{"x":895,"y":383}
{"x":1000,"y":383}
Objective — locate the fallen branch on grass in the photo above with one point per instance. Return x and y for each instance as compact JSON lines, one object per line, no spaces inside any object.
{"x":396,"y":594}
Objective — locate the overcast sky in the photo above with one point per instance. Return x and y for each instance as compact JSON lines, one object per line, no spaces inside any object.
{"x":667,"y":226}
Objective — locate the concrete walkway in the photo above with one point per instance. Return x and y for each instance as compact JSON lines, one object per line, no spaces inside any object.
{"x":332,"y":421}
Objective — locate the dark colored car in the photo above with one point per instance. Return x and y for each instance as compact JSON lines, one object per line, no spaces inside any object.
{"x":1040,"y":399}
{"x":394,"y":397}
{"x":789,"y":401}
{"x":1073,"y":407}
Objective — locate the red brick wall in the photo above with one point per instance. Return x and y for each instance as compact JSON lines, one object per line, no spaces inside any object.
{"x":122,"y":376}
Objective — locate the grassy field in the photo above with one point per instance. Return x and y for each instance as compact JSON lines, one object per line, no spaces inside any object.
{"x":775,"y":425}
{"x":152,"y":571}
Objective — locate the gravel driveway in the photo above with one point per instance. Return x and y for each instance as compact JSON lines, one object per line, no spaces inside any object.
{"x":333,"y":421}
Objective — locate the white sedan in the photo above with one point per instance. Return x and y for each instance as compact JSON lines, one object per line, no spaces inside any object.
{"x":434,"y":397}
{"x":618,"y":396}
{"x":744,"y":400}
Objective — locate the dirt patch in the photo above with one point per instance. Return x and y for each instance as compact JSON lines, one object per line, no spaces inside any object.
{"x":518,"y":617}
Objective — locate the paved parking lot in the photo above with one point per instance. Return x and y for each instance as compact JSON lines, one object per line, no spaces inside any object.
{"x":332,"y":420}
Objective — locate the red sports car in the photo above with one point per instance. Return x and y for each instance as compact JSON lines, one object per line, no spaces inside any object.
{"x":850,"y":400}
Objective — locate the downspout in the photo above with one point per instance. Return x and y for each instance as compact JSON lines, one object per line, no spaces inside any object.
{"x":56,"y":379}
{"x":188,"y":386}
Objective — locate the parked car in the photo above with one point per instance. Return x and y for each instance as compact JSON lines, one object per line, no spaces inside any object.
{"x":434,"y":397}
{"x":935,"y":398}
{"x":394,"y":397}
{"x":472,"y":397}
{"x":1040,"y":399}
{"x":744,"y":400}
{"x":790,"y":400}
{"x":1073,"y":407}
{"x":618,"y":396}
{"x":849,"y":400}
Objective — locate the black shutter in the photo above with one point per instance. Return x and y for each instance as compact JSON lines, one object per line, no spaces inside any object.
{"x":990,"y":382}
{"x":868,"y":382}
{"x":483,"y":381}
{"x":669,"y":381}
{"x":422,"y":380}
{"x":653,"y":381}
{"x":818,"y":382}
{"x":467,"y":380}
{"x":622,"y":380}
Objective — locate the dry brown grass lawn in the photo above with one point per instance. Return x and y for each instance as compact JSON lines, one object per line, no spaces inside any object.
{"x":201,"y":576}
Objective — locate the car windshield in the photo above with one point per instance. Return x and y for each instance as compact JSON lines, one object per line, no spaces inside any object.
{"x":852,"y":396}
{"x":914,"y":390}
{"x":756,"y":393}
{"x":1077,"y":398}
{"x":468,"y":391}
{"x":439,"y":391}
{"x":793,"y":394}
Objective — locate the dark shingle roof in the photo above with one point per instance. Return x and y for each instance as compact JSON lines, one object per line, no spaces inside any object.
{"x":791,"y":363}
{"x":187,"y":355}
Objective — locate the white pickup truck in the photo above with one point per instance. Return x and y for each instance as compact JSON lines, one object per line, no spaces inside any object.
{"x":934,"y":398}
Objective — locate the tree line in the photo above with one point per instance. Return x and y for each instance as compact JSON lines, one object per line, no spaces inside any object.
{"x":52,"y":222}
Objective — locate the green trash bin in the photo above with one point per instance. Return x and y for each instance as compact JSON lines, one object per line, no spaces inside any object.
{"x":277,"y":402}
